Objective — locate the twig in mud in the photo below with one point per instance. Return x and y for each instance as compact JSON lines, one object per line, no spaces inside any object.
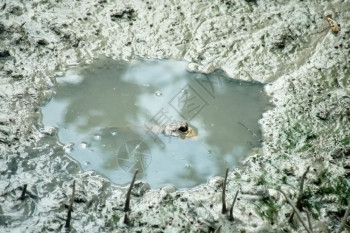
{"x":223,"y":198}
{"x":299,"y":205}
{"x":218,"y":229}
{"x":308,"y":219}
{"x":3,"y":6}
{"x":249,"y":130}
{"x":22,"y":24}
{"x":128,"y":194}
{"x":296,"y":211}
{"x":301,"y":190}
{"x":126,"y":218}
{"x":231,"y":209}
{"x":70,"y":208}
{"x":343,"y":221}
{"x":24,"y":190}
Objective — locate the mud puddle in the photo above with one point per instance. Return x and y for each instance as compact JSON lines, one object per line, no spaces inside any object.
{"x":110,"y":117}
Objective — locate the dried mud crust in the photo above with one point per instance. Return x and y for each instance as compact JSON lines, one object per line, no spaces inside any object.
{"x":282,"y":44}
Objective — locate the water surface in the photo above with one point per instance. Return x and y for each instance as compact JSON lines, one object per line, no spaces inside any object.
{"x":106,"y":113}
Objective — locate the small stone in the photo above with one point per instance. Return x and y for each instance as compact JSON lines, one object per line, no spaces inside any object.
{"x":169,"y":189}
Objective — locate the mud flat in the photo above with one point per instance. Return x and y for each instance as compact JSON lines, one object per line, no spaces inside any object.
{"x":290,"y":47}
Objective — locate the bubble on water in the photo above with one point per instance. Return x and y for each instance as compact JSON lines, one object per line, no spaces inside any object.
{"x":97,"y":137}
{"x":84,"y":145}
{"x":188,"y":165}
{"x":87,"y":163}
{"x":158,"y":93}
{"x":114,"y":133}
{"x":209,"y":151}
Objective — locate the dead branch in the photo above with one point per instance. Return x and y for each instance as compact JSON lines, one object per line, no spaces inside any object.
{"x":308,"y":219}
{"x":301,"y":190}
{"x":300,"y":194}
{"x":233,"y":203}
{"x":249,"y":130}
{"x":223,"y":198}
{"x":296,"y":211}
{"x":24,"y":190}
{"x":70,"y":208}
{"x":128,"y":194}
{"x":126,"y":219}
{"x":343,"y":221}
{"x":218,"y":229}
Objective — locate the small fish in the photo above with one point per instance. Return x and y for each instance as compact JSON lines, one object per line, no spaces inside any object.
{"x":333,"y":24}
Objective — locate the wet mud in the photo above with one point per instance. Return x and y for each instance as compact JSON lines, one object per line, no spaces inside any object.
{"x":288,"y":46}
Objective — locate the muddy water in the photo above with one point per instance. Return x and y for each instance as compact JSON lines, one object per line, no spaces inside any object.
{"x":109,"y":116}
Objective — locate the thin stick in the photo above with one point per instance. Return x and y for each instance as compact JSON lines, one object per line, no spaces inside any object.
{"x":296,"y":211}
{"x":23,"y":192}
{"x":343,"y":221}
{"x":300,"y":194}
{"x":223,"y":198}
{"x":218,"y":229}
{"x":308,"y":219}
{"x":126,"y":218}
{"x":249,"y":130}
{"x":128,"y":194}
{"x":290,"y":220}
{"x":301,"y":190}
{"x":70,"y":208}
{"x":231,"y":209}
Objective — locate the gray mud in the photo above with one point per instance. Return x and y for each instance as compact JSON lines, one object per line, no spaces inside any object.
{"x":289,"y":46}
